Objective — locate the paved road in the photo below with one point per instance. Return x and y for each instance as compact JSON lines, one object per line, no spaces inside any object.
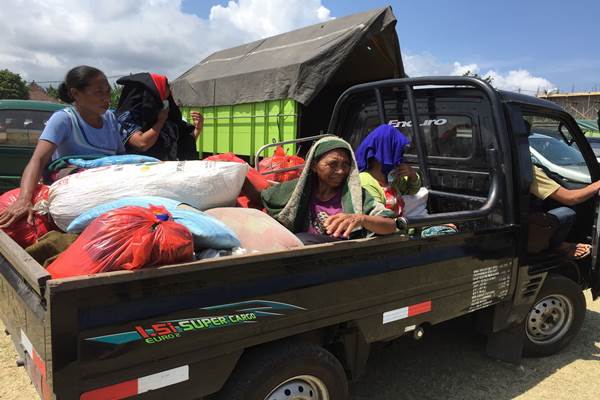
{"x":447,"y":364}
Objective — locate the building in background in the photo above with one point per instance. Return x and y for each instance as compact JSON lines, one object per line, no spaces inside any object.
{"x":583,"y":106}
{"x":36,"y":92}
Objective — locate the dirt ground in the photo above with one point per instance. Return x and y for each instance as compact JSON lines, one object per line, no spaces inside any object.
{"x":448,"y":363}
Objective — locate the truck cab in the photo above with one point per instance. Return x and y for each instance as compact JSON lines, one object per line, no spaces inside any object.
{"x":474,"y":147}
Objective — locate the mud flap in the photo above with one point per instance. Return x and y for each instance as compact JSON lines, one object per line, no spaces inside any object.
{"x":355,"y":352}
{"x":506,"y":340}
{"x":507,"y":344}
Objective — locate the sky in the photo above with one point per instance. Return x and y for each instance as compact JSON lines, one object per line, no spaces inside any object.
{"x":526,"y":45}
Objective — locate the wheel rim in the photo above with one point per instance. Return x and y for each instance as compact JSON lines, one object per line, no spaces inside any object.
{"x":550,"y":319}
{"x":303,"y":387}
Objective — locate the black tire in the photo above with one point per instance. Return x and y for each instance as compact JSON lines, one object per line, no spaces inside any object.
{"x":263,"y":370}
{"x":555,"y":317}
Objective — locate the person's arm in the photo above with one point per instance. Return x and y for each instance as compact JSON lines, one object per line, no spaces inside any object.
{"x":411,"y":185}
{"x":343,"y":224}
{"x":371,"y":186}
{"x":31,"y":176}
{"x":198,"y":123}
{"x":142,"y":141}
{"x":571,"y":197}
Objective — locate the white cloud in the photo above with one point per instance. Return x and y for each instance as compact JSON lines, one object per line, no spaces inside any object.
{"x":425,"y":64}
{"x":460,"y":69}
{"x":42,"y":39}
{"x":520,"y":80}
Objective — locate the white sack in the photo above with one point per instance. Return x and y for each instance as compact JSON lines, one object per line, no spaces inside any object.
{"x":415,"y":205}
{"x":201,"y":184}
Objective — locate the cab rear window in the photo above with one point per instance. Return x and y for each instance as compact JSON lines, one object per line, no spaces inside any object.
{"x":446,"y":135}
{"x":449,"y":136}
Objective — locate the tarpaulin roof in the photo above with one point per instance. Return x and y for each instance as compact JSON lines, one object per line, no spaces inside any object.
{"x":296,"y":64}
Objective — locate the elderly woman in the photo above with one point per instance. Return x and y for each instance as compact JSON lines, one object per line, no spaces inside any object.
{"x":327,"y":202}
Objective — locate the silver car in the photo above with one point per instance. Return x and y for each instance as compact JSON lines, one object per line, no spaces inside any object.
{"x":558,"y":157}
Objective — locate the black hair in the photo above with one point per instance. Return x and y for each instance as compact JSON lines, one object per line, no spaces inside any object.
{"x":77,"y":78}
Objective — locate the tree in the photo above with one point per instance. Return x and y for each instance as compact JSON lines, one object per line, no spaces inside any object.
{"x":12,"y":86}
{"x":487,"y":79}
{"x":52,"y":92}
{"x":115,"y":94}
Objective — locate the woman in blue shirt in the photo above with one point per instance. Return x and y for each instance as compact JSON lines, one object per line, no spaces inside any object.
{"x":85,"y":128}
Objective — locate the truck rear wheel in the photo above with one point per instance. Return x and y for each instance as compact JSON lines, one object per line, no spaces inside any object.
{"x":555,"y":317}
{"x":287,"y":371}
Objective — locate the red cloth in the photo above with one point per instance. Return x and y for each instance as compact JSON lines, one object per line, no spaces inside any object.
{"x":162,"y":85}
{"x":21,"y":231}
{"x":393,"y":200}
{"x":126,"y":238}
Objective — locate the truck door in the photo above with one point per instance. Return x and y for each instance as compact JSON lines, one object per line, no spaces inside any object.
{"x":559,"y":148}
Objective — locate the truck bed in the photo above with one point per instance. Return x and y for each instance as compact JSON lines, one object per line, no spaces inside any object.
{"x":95,"y":331}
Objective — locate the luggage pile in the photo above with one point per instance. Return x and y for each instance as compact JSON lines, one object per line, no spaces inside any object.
{"x":125,"y":215}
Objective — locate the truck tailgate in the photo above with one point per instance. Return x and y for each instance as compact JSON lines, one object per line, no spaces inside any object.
{"x":23,"y":310}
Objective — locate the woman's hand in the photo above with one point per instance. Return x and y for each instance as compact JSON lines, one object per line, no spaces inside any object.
{"x":19,"y":209}
{"x":198,"y":122}
{"x":405,"y":170}
{"x":31,"y":176}
{"x":343,"y":224}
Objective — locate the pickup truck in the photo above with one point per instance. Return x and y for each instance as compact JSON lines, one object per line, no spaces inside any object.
{"x":298,"y":324}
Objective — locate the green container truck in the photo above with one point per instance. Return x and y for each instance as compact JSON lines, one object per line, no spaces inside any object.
{"x":243,"y":128}
{"x":285,"y":87}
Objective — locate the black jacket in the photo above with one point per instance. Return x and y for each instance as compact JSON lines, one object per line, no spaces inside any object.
{"x":138,"y":109}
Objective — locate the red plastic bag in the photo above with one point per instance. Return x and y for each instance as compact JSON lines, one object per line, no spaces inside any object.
{"x":280,"y":160}
{"x":126,"y":238}
{"x":21,"y":231}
